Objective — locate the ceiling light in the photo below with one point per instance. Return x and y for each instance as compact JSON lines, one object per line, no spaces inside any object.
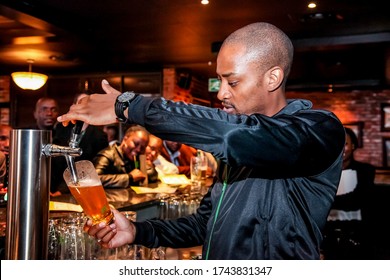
{"x":29,"y":80}
{"x":204,"y":2}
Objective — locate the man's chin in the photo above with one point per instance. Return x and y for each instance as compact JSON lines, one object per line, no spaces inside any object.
{"x":49,"y":123}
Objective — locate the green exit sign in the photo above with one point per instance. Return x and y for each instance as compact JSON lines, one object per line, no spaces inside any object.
{"x":214,"y":85}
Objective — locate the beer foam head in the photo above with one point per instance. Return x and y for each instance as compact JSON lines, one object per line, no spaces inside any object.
{"x":88,"y":182}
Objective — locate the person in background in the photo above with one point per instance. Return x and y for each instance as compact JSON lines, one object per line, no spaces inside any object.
{"x":345,"y":234}
{"x":280,"y":161}
{"x":178,"y":154}
{"x":3,"y":170}
{"x":92,"y":141}
{"x":118,"y":166}
{"x":46,"y":113}
{"x":181,"y":154}
{"x":5,"y":133}
{"x":112,"y":132}
{"x":157,"y":165}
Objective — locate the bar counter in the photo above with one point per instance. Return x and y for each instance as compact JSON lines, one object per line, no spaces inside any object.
{"x":180,"y":200}
{"x":139,"y":207}
{"x":146,"y":204}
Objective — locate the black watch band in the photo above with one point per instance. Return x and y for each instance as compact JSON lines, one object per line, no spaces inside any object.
{"x":122,"y":103}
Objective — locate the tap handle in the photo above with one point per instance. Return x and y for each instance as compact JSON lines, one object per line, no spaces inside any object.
{"x":77,"y":127}
{"x":77,"y":134}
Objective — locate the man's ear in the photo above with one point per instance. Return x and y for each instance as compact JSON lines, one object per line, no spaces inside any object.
{"x":275,"y":78}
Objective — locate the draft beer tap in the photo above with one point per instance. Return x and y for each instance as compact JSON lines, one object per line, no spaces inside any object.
{"x":69,"y":152}
{"x":74,"y":142}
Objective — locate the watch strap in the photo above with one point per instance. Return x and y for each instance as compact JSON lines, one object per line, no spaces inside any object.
{"x":119,"y":111}
{"x":122,"y":103}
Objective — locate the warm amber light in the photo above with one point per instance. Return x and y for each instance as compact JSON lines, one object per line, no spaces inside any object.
{"x":312,"y":5}
{"x":29,"y":80}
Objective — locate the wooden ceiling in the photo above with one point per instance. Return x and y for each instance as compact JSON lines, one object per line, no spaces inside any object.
{"x":79,"y":36}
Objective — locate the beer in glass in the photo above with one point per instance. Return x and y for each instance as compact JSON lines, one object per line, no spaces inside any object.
{"x":89,"y":192}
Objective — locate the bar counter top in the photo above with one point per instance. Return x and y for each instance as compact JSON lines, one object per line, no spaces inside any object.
{"x":118,"y":198}
{"x":146,"y":204}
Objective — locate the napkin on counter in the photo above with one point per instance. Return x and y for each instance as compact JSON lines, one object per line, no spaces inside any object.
{"x":175,"y":180}
{"x":162,"y":188}
{"x":169,"y":184}
{"x":64,"y":206}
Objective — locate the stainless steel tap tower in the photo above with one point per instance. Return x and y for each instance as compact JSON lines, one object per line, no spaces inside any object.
{"x":29,"y":192}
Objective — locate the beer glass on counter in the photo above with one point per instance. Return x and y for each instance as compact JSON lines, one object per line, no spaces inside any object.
{"x":89,"y":192}
{"x":198,"y":170}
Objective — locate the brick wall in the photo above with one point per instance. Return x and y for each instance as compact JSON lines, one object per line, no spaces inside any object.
{"x":171,"y":89}
{"x":356,"y":106}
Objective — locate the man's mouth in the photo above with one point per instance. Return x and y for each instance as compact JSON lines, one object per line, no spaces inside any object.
{"x":228,"y":108}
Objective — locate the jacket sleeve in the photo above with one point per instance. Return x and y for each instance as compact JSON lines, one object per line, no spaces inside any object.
{"x":305,"y":141}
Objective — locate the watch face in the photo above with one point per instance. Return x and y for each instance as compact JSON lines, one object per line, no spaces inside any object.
{"x":126,"y":96}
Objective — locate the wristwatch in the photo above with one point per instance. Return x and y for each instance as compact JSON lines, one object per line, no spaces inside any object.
{"x":122,"y":103}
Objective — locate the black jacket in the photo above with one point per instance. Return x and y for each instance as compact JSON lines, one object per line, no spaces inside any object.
{"x":281,"y":179}
{"x":113,"y":168}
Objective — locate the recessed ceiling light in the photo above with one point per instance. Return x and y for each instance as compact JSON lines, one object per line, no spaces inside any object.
{"x":312,"y":5}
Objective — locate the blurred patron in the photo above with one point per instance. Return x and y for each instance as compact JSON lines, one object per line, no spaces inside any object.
{"x":92,"y":141}
{"x":157,"y":165}
{"x":5,"y":132}
{"x":180,"y":155}
{"x":112,"y":131}
{"x":3,"y":170}
{"x":46,"y":113}
{"x":118,"y":165}
{"x":346,"y":230}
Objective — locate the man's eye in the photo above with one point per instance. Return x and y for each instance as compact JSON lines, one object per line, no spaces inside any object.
{"x":233,"y":84}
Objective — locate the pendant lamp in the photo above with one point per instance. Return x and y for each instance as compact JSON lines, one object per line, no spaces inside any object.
{"x":29,"y":80}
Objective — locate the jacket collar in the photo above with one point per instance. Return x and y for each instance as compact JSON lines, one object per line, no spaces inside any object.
{"x":295,"y":105}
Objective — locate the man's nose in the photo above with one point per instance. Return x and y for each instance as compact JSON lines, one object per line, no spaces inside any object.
{"x":222,"y":92}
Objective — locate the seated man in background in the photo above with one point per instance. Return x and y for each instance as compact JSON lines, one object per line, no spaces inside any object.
{"x":156,"y":164}
{"x":118,"y":165}
{"x":181,"y":154}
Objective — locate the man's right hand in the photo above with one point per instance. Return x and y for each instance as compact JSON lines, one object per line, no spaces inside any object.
{"x":138,"y":175}
{"x":95,"y":109}
{"x":114,"y":235}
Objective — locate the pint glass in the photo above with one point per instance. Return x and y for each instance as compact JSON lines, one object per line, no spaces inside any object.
{"x":89,"y":192}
